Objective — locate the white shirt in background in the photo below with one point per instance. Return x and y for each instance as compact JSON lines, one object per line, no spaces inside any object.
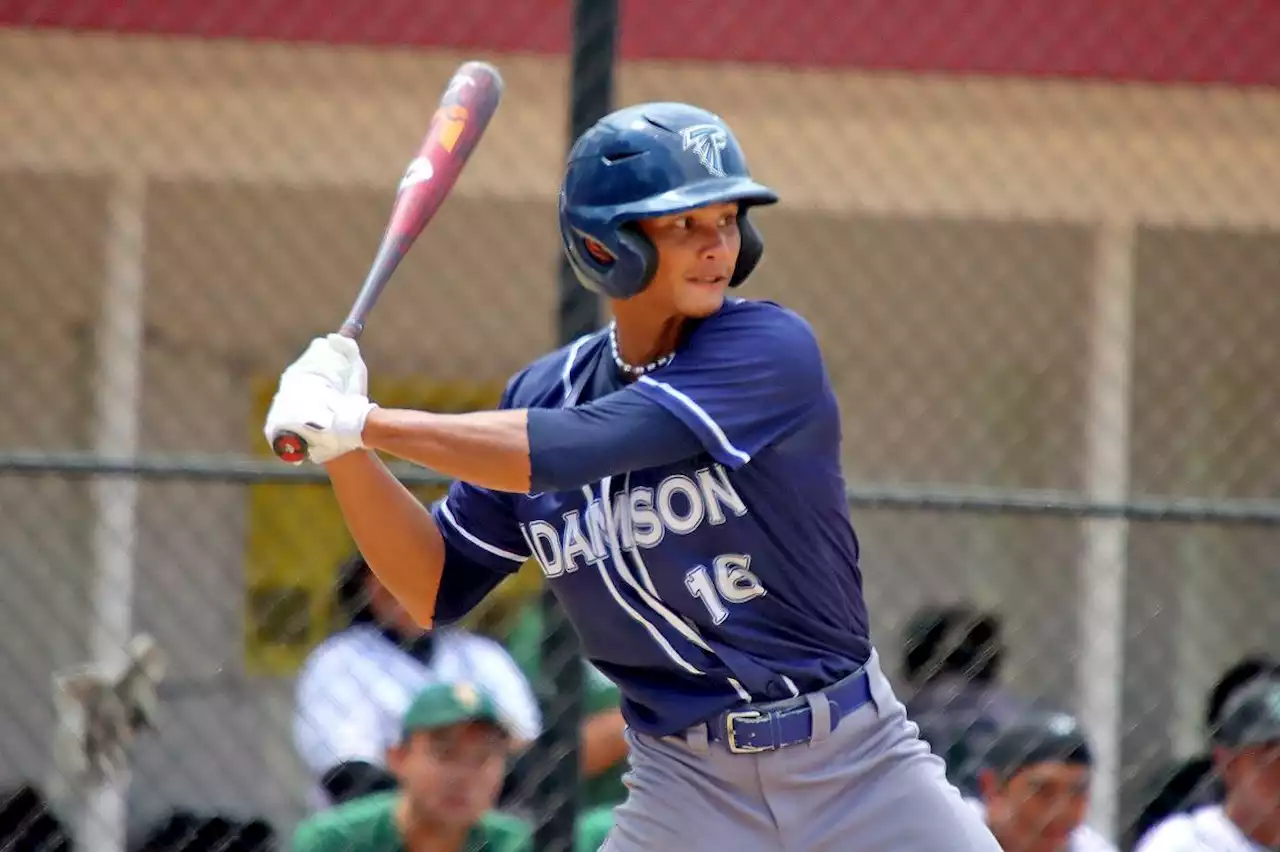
{"x":1206,"y":829}
{"x":353,"y":690}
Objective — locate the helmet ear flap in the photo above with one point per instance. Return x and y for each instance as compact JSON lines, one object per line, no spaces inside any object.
{"x":750,"y":250}
{"x":646,"y":258}
{"x":618,"y":264}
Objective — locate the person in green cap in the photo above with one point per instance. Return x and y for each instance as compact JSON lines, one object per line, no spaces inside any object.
{"x":449,"y":765}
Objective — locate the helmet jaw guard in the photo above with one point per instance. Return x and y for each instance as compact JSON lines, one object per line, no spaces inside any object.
{"x":645,"y":161}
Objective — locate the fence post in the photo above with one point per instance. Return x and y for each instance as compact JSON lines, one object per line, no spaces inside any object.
{"x":555,"y":805}
{"x":118,"y":410}
{"x":1105,"y":560}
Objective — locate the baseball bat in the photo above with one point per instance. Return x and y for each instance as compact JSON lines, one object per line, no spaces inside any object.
{"x":459,"y":121}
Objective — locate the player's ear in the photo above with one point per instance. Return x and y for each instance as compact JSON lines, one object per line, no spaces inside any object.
{"x":988,"y":784}
{"x":1224,"y":762}
{"x":396,"y":755}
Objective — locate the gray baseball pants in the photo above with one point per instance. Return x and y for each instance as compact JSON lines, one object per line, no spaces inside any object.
{"x":869,"y":785}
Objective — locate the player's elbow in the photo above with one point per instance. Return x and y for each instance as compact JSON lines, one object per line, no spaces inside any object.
{"x":423,"y":613}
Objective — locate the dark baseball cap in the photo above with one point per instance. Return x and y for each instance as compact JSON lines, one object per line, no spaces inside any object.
{"x":1251,"y":716}
{"x":1038,"y":738}
{"x":445,"y":704}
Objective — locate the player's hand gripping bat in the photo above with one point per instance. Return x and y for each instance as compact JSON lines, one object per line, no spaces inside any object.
{"x":465,"y":109}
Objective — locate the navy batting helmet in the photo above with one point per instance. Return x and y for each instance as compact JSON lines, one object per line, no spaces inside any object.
{"x":650,"y":160}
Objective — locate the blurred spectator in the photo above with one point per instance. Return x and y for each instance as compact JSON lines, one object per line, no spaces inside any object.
{"x":1246,"y":756}
{"x":354,"y":688}
{"x":951,"y":659}
{"x":1191,"y":783}
{"x":1034,"y":786}
{"x":448,"y":764}
{"x":593,"y":829}
{"x":602,"y":747}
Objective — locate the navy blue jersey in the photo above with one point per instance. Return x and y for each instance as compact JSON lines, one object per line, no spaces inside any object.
{"x":728,"y":577}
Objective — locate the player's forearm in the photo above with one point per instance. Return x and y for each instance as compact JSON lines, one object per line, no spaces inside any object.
{"x":603,"y":744}
{"x":393,"y":530}
{"x":485,"y":448}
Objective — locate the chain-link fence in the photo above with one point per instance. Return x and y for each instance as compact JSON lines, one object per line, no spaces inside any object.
{"x":1049,"y":308}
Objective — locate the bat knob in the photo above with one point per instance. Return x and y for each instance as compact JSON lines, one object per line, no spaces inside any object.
{"x":289,"y":447}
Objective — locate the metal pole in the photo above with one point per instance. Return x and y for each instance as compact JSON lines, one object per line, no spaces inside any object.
{"x":555,"y":805}
{"x":118,"y":390}
{"x":1104,"y":561}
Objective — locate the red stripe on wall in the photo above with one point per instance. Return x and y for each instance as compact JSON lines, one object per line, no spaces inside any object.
{"x":1234,"y":42}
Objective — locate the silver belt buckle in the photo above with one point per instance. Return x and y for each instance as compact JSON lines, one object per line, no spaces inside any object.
{"x":730,"y":719}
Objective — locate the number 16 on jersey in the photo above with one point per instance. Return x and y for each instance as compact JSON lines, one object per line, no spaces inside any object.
{"x":729,"y":581}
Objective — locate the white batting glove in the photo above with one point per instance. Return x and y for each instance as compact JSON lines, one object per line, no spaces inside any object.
{"x":323,"y":398}
{"x":333,"y":360}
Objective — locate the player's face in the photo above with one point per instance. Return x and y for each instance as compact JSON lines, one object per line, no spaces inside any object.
{"x":1038,"y":808}
{"x":697,"y":252}
{"x":1252,"y":778}
{"x":452,"y":775}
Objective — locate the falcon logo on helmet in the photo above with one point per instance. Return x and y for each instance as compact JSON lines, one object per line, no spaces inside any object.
{"x":706,"y":141}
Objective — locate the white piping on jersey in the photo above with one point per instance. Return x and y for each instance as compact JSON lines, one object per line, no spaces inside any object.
{"x":650,"y":595}
{"x":791,"y":685}
{"x":616,"y":550}
{"x":648,"y":592}
{"x":643,"y":570}
{"x":483,"y":545}
{"x":681,"y":626}
{"x":571,"y":392}
{"x":702,"y":415}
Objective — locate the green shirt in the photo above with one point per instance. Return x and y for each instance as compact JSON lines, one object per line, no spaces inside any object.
{"x":599,"y":694}
{"x":593,"y":828}
{"x":368,"y":824}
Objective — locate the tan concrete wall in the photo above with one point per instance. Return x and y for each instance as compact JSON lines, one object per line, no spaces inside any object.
{"x":938,"y":234}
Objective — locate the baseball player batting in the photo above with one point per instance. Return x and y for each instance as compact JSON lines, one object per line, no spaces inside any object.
{"x":677,"y":476}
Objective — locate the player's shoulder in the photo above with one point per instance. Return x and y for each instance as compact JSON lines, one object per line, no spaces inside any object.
{"x":353,"y":825}
{"x":759,"y":314}
{"x":760,"y":326}
{"x":504,"y":832}
{"x":547,"y":380}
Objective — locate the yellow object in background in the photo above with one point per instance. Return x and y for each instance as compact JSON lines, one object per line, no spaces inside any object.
{"x":297,"y":539}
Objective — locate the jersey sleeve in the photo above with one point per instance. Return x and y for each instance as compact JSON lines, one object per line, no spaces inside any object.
{"x":483,"y":543}
{"x":483,"y":546}
{"x":747,"y":376}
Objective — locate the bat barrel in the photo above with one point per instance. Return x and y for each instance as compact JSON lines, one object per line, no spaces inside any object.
{"x":464,"y":111}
